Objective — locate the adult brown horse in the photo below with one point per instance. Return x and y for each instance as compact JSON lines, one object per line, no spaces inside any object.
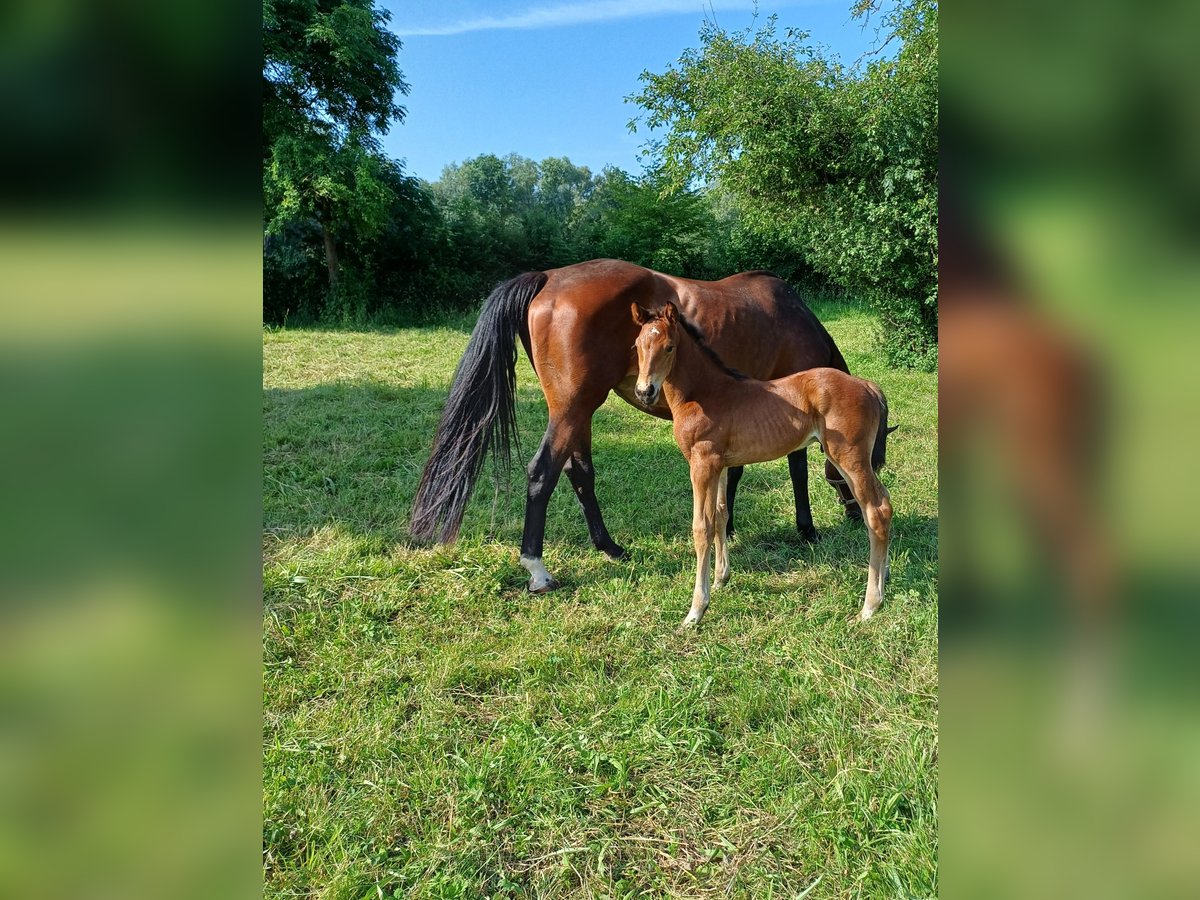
{"x":575,"y":326}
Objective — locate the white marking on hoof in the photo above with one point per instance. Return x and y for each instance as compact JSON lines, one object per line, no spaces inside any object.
{"x":691,"y":620}
{"x":540,"y":580}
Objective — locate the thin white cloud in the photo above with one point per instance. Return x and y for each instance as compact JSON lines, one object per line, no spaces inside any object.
{"x":573,"y":14}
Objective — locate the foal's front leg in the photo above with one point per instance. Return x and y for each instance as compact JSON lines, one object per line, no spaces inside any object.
{"x":705,"y":478}
{"x":719,"y":529}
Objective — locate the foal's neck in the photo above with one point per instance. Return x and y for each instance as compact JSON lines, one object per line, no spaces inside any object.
{"x":695,"y":373}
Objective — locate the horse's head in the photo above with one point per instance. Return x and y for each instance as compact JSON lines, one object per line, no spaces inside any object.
{"x":655,"y":346}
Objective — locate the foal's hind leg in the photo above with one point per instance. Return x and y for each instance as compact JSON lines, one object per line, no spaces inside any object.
{"x":854,"y":464}
{"x":877,"y":512}
{"x":878,"y":516}
{"x":845,"y":494}
{"x":583,"y":481}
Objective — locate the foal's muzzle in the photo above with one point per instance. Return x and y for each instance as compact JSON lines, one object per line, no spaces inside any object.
{"x":648,"y":396}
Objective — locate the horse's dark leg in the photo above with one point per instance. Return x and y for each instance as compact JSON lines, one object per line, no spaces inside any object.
{"x":798,"y":469}
{"x":735,"y":475}
{"x":544,"y":469}
{"x":580,"y":471}
{"x":853,"y":511}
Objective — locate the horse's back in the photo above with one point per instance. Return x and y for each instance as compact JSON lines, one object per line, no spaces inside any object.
{"x":580,"y":330}
{"x":757,"y":324}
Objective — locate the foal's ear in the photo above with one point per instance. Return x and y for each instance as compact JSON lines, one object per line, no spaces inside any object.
{"x":670,"y":313}
{"x":641,"y":316}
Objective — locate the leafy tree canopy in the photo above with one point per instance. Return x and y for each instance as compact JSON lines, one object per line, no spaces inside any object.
{"x":330,"y":79}
{"x":839,"y":162}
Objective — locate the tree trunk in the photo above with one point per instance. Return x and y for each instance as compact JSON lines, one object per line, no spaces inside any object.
{"x":331,"y":257}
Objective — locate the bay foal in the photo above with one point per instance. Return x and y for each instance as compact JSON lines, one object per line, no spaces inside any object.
{"x":723,"y":419}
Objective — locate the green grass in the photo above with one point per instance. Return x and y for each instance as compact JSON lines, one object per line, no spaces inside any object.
{"x":432,"y":730}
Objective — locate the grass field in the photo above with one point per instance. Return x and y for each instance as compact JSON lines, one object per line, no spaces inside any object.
{"x":432,"y":730}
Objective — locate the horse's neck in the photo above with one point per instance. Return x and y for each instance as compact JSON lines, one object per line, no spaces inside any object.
{"x":694,"y":375}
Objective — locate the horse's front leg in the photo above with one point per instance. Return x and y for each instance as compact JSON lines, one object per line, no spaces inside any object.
{"x":798,"y":470}
{"x":705,"y":477}
{"x":734,"y":479}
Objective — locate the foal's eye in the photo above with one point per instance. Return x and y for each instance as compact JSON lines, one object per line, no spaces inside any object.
{"x":670,"y":349}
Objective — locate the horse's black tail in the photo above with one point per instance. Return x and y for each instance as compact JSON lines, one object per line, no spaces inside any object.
{"x":879,"y":451}
{"x":480,"y":414}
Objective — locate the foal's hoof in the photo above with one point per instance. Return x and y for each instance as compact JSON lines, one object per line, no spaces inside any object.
{"x":808,"y":534}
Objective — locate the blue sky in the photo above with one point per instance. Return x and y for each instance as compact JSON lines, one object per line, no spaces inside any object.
{"x":549,"y":77}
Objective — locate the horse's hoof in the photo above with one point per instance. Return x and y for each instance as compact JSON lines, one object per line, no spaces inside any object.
{"x":615,"y":552}
{"x":853,"y":514}
{"x":808,"y":534}
{"x":540,"y":580}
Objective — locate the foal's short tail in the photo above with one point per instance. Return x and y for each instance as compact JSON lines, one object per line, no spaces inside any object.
{"x":879,"y":452}
{"x":480,"y":413}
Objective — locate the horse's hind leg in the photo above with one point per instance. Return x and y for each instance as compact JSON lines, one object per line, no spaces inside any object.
{"x":543,"y":471}
{"x":583,"y":481}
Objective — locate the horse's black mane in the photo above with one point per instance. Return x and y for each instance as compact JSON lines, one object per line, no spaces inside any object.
{"x":709,"y":351}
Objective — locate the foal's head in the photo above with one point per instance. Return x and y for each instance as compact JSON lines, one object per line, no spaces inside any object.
{"x":655,"y":346}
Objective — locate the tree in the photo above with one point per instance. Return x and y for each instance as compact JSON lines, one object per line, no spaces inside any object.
{"x":330,"y":79}
{"x":644,"y":222}
{"x":841,"y":163}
